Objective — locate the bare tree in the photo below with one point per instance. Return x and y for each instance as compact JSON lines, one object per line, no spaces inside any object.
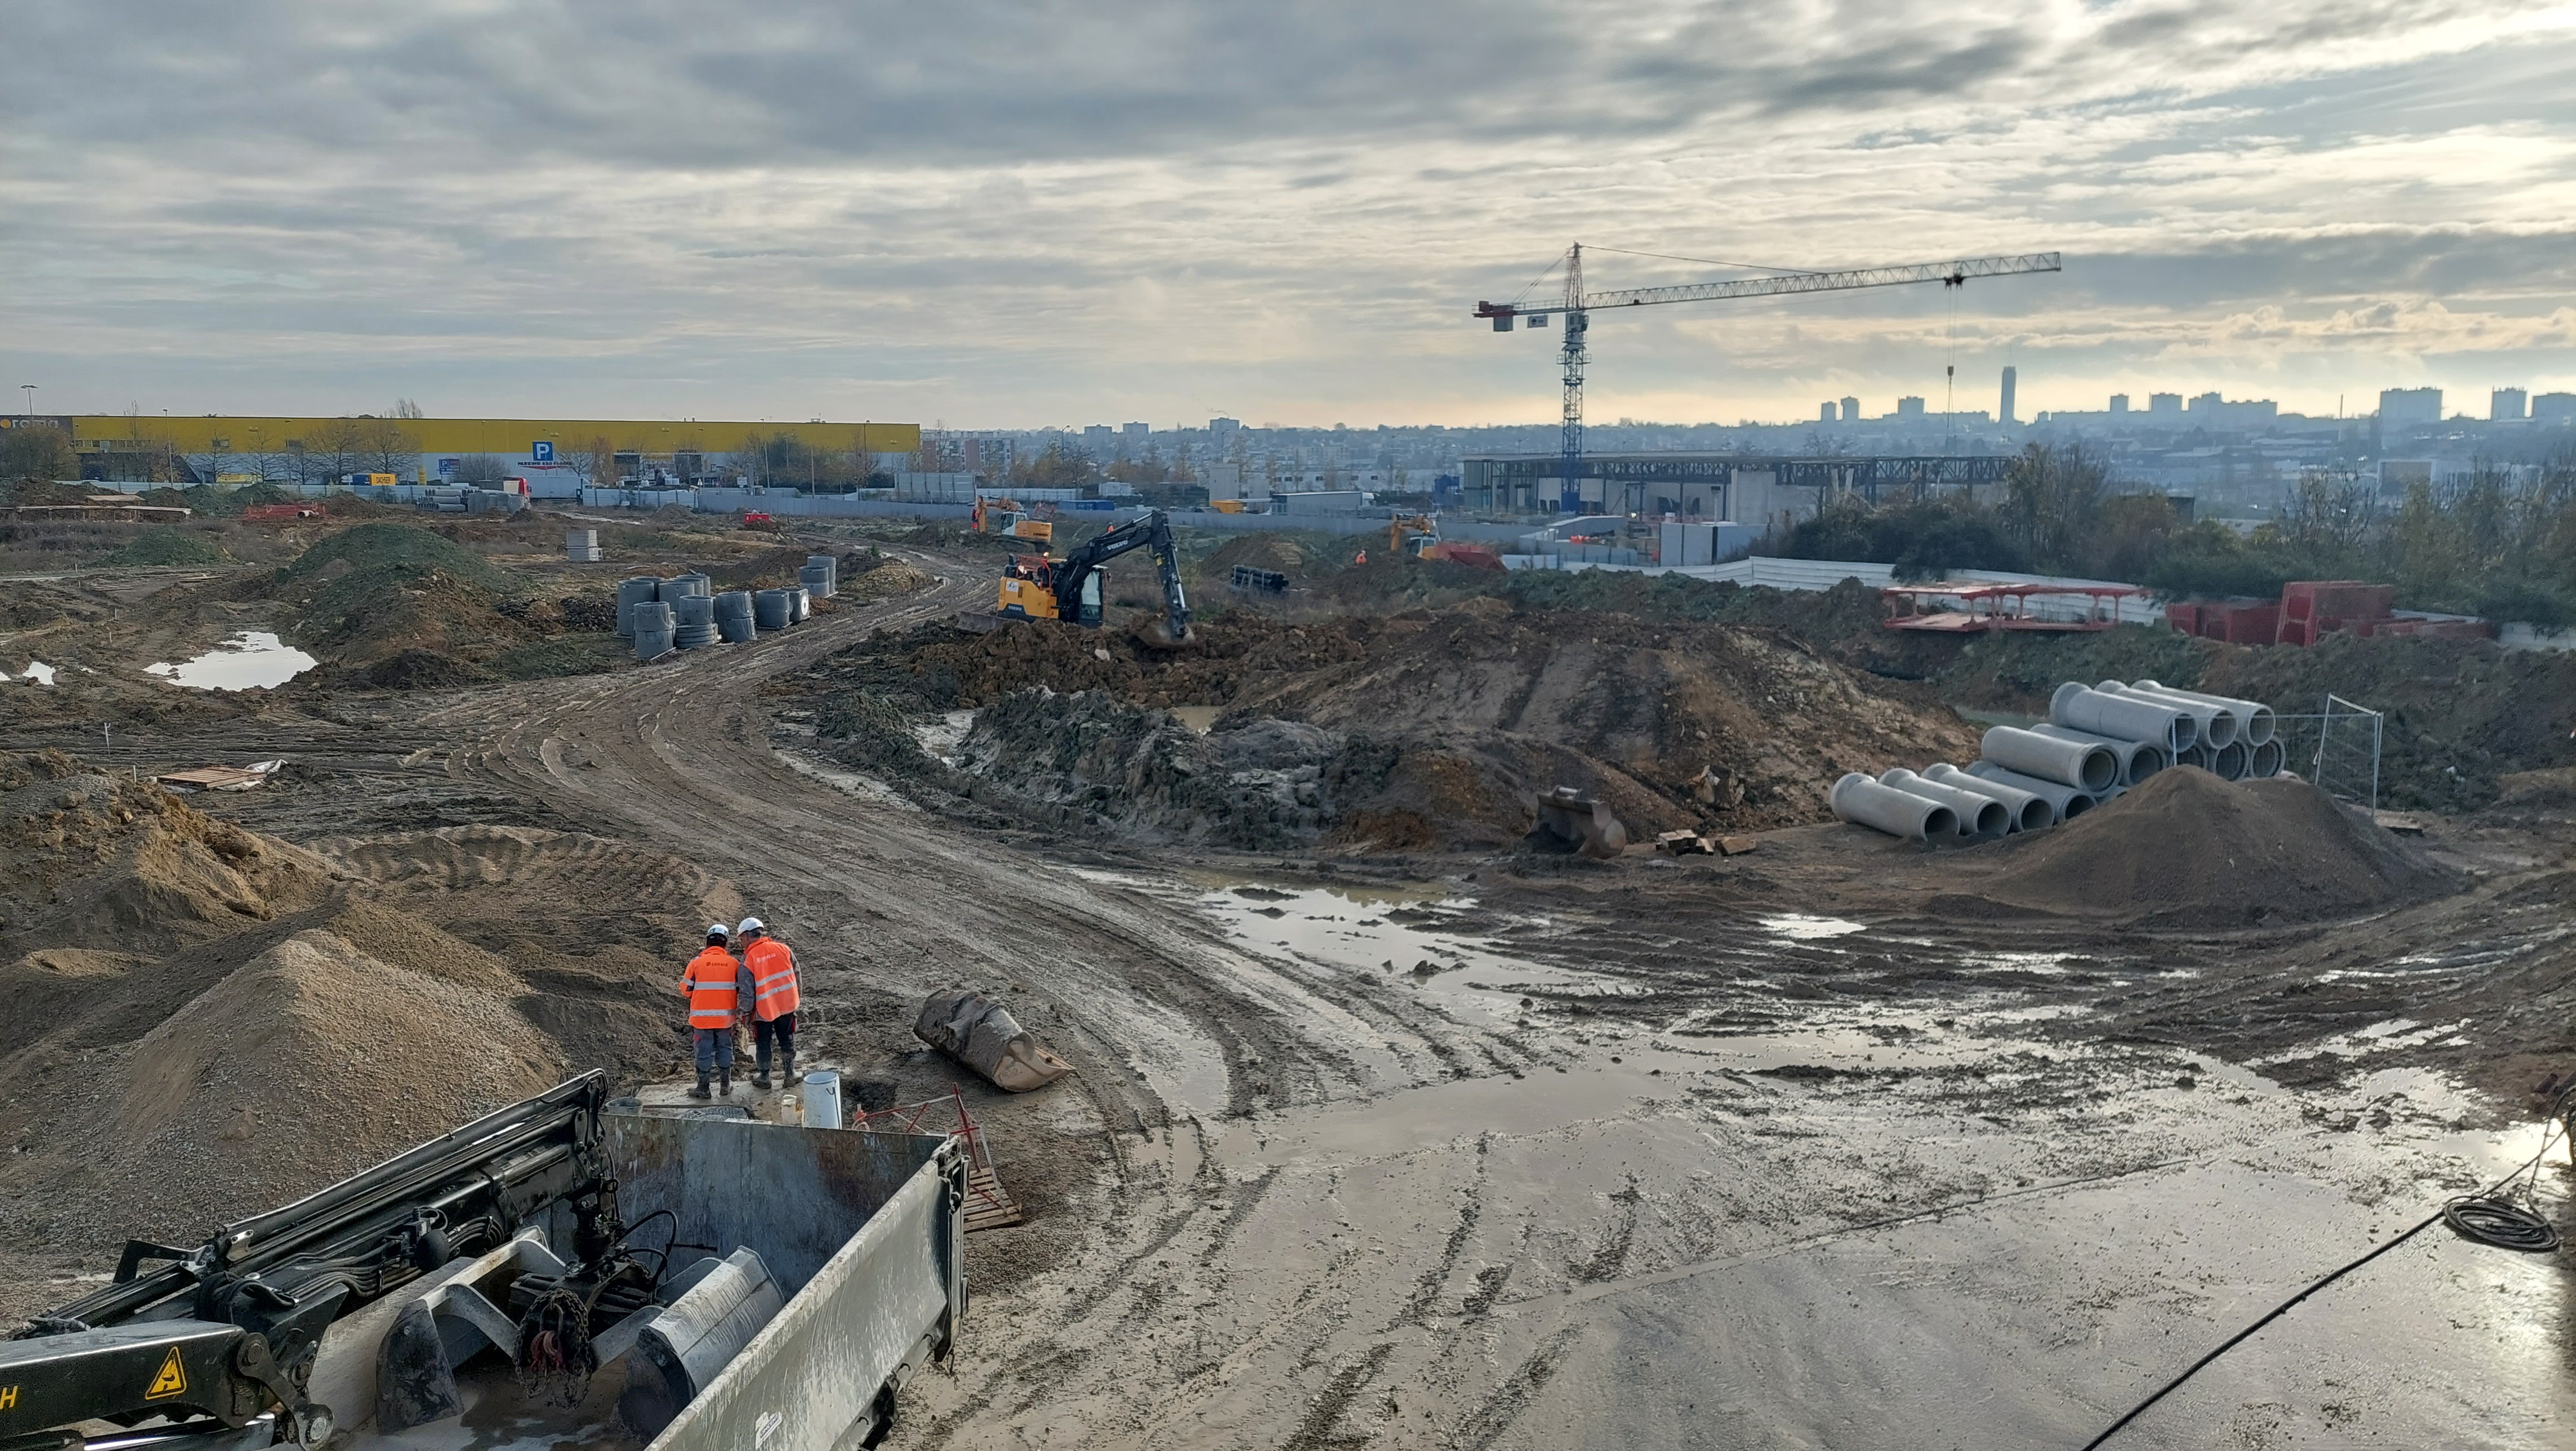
{"x":385,"y":447}
{"x":338,"y":449}
{"x":482,"y":470}
{"x":405,"y":408}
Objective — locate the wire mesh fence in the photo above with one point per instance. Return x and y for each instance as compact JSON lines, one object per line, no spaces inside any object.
{"x":2336,"y":749}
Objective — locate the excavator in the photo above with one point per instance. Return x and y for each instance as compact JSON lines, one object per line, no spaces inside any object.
{"x":1043,"y":587}
{"x":1414,"y":535}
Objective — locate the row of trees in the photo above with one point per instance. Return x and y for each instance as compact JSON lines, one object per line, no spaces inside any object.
{"x":2499,"y":543}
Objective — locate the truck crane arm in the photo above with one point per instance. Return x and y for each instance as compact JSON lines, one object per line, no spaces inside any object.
{"x":1153,"y":532}
{"x":227,"y":1331}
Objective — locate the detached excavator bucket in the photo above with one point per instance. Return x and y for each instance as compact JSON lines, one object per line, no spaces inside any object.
{"x":1581,"y":822}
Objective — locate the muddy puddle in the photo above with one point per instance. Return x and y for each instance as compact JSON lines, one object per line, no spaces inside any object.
{"x":251,"y":660}
{"x":37,"y":673}
{"x":1811,"y":1177}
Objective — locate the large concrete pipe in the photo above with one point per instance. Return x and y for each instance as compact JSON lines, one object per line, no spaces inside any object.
{"x":2266,"y":760}
{"x":1979,"y":815}
{"x":1898,"y":813}
{"x":2030,"y":812}
{"x":2138,"y":759}
{"x":2255,"y":722}
{"x":2229,"y":762}
{"x":2078,"y":706}
{"x":2201,"y":756}
{"x":2218,"y":724}
{"x":2067,"y":801}
{"x":2087,"y":768}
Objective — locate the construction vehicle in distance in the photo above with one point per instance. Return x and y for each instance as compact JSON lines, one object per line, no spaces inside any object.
{"x":1411,"y":535}
{"x":495,"y":1264}
{"x":1043,"y":587}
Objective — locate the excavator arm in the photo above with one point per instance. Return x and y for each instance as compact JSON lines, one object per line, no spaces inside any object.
{"x":1074,"y":571}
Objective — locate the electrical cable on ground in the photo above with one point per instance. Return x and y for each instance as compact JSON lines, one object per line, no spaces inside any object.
{"x":2485,"y":1217}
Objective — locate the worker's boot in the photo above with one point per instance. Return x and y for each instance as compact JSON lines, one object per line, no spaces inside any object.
{"x":787,"y":1067}
{"x":760,"y":1081}
{"x":701,"y":1090}
{"x":724,"y":1082}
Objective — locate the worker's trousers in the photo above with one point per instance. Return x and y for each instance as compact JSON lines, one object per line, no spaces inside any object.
{"x":715,"y":1050}
{"x":783,"y":1028}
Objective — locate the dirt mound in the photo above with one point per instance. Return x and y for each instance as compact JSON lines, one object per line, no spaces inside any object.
{"x":2190,"y":850}
{"x":88,"y":860}
{"x":1450,"y":719}
{"x":894,"y":577}
{"x":2461,"y":713}
{"x":421,"y":670}
{"x":208,"y":1022}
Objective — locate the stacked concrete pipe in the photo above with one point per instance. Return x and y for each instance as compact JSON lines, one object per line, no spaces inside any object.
{"x":2218,"y":724}
{"x":2265,"y":759}
{"x":654,"y":630}
{"x":734,"y":617}
{"x":1980,"y":817}
{"x":630,"y":593}
{"x":1857,"y":798}
{"x":2138,"y":759}
{"x":2255,"y":721}
{"x":2089,"y":767}
{"x":2078,"y":706}
{"x":2030,"y":810}
{"x":2067,"y":801}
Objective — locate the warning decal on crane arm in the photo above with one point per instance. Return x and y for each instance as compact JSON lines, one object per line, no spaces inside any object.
{"x":173,"y":1379}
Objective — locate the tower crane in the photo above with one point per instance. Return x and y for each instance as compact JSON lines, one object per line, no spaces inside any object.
{"x":1577,"y":307}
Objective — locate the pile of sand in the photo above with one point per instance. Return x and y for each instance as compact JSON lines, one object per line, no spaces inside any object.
{"x":207,"y":1022}
{"x":2190,"y":850}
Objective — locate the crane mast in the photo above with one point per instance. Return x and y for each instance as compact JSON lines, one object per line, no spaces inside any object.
{"x":1578,"y":306}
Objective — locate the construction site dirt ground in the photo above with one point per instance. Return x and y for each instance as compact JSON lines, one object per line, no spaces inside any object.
{"x":1836,"y":1144}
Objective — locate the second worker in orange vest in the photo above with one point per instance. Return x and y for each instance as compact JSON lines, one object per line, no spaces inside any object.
{"x":719,"y":993}
{"x":771,"y":965}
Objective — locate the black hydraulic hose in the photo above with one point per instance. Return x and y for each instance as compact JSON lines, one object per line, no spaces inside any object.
{"x":2485,"y":1217}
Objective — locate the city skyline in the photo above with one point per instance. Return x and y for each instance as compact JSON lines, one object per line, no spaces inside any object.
{"x":856,"y":211}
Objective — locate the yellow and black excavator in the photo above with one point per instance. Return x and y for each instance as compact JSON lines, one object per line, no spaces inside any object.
{"x":1043,"y":587}
{"x":1411,"y":535}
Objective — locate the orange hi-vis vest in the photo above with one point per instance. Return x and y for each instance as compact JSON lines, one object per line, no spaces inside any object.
{"x":714,"y":988}
{"x":773,"y":978}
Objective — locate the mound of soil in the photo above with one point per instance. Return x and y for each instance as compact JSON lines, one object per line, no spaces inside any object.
{"x":209,"y":1022}
{"x":421,"y":670}
{"x":894,"y":577}
{"x":164,"y":545}
{"x":2462,"y":714}
{"x":2188,"y":849}
{"x":1448,"y":721}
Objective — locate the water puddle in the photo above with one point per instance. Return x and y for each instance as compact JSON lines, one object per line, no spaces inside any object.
{"x":866,"y":788}
{"x":251,"y":660}
{"x":37,"y":671}
{"x":1199,"y":718}
{"x":1799,"y":927}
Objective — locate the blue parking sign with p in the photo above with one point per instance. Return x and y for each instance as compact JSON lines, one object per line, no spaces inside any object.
{"x":542,"y":452}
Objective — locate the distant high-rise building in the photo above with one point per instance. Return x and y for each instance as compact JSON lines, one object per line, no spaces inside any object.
{"x":2508,"y":405}
{"x":2554,"y":408}
{"x":1909,"y":408}
{"x":1827,"y":413}
{"x":2007,"y":414}
{"x":2119,"y":405}
{"x":2409,"y":407}
{"x":1224,"y":425}
{"x":2165,"y":407}
{"x":1097,"y":435}
{"x":1851,"y":410}
{"x":1138,"y":432}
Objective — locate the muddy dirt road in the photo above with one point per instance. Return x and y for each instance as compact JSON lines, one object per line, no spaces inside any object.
{"x":1427,"y":1164}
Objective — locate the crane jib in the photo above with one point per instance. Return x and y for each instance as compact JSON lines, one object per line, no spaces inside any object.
{"x":1952,"y":273}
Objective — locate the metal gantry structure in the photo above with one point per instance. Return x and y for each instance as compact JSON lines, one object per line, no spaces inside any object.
{"x":1577,"y":307}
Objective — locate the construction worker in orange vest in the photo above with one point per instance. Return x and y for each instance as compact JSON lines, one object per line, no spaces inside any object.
{"x":771,"y":965}
{"x":719,"y":991}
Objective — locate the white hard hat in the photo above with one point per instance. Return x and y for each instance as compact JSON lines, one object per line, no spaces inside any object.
{"x":749,"y":926}
{"x":718,"y":929}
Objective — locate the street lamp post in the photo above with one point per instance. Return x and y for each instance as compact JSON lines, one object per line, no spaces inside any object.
{"x":30,"y":390}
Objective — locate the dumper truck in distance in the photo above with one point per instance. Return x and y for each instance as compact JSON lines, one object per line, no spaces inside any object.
{"x":566,"y":1268}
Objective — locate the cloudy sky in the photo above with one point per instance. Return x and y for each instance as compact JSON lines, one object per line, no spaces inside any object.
{"x":1022,"y":212}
